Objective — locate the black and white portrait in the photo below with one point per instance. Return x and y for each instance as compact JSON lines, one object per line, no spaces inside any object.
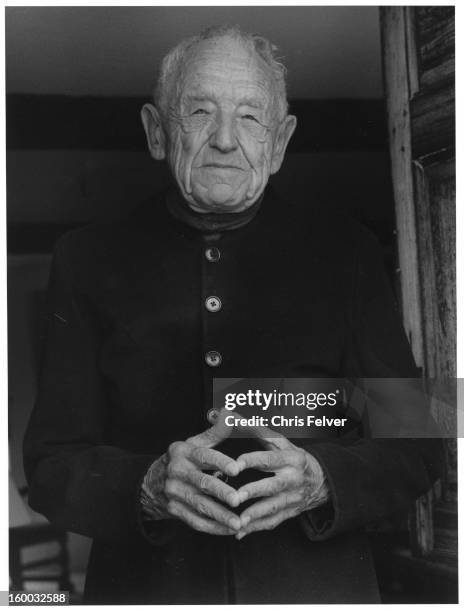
{"x":255,"y":200}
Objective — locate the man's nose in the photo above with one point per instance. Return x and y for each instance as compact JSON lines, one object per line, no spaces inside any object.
{"x":223,"y":136}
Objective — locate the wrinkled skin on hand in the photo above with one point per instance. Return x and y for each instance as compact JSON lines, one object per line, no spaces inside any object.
{"x":176,"y":486}
{"x":298,"y":483}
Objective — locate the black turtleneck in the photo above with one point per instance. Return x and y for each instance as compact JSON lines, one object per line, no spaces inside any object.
{"x":209,"y":222}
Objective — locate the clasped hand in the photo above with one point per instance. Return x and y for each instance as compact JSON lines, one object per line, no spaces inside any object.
{"x":176,"y":485}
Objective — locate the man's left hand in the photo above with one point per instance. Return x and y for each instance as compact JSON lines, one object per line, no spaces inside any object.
{"x":298,"y":483}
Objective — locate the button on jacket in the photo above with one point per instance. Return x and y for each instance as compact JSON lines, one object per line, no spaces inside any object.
{"x":128,"y":362}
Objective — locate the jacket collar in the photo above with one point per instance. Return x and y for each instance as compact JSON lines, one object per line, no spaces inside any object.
{"x":208,"y":222}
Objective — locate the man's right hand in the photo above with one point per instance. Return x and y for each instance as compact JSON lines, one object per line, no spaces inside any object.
{"x":176,"y":486}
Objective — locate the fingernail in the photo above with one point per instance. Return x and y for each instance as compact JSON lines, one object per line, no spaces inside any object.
{"x":245,"y":520}
{"x":243,"y":496}
{"x":235,"y":523}
{"x":232,"y":469}
{"x":233,"y":500}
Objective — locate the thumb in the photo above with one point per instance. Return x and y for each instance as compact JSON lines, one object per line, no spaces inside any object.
{"x":212,"y":436}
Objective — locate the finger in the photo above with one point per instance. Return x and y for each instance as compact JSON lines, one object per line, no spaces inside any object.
{"x":211,"y":485}
{"x":266,"y":461}
{"x":201,"y":504}
{"x":269,"y":506}
{"x":179,"y":510}
{"x":263,"y":488}
{"x":270,"y":522}
{"x":189,"y":472}
{"x":213,"y":435}
{"x":211,"y":459}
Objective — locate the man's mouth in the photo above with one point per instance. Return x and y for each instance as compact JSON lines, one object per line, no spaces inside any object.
{"x":222,"y":166}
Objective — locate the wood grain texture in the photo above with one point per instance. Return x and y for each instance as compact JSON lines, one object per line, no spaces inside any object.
{"x":393,"y":27}
{"x":433,"y":147}
{"x":435,"y":41}
{"x":436,"y":219}
{"x":418,"y":47}
{"x":433,"y":121}
{"x":421,"y":520}
{"x":411,"y":50}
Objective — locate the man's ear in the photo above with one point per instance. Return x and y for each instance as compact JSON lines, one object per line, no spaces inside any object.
{"x":284,"y":133}
{"x":153,"y":126}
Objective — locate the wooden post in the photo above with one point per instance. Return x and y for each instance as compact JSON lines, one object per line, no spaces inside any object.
{"x":395,"y":26}
{"x":401,"y":82}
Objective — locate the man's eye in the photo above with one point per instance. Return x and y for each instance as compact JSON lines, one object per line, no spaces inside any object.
{"x":200,"y":111}
{"x":250,"y":118}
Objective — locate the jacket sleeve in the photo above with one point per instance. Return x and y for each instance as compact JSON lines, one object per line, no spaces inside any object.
{"x":370,"y":479}
{"x":76,"y":479}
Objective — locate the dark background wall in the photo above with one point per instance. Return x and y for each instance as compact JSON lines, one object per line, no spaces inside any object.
{"x":114,"y":51}
{"x":77,"y":76}
{"x":75,"y":80}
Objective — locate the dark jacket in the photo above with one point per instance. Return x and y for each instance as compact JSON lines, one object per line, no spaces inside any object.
{"x":124,"y":374}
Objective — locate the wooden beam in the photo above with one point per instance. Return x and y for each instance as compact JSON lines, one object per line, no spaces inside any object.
{"x":394,"y":29}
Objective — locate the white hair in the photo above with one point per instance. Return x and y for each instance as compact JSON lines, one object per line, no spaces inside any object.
{"x":173,"y":62}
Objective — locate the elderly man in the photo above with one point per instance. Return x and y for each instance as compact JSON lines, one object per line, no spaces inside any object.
{"x":216,"y":277}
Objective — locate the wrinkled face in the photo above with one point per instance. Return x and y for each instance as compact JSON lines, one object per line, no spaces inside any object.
{"x":222,"y":127}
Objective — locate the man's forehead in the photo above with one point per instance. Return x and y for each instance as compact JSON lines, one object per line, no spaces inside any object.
{"x":224,"y":59}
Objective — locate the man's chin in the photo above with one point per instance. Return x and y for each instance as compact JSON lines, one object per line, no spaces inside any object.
{"x":220,"y":200}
